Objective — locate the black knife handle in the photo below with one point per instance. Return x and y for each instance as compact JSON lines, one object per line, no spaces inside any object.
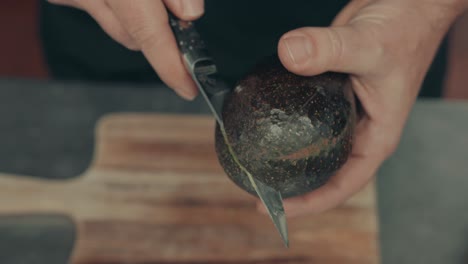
{"x":190,"y":44}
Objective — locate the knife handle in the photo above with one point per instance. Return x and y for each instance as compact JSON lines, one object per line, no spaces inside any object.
{"x":190,"y":44}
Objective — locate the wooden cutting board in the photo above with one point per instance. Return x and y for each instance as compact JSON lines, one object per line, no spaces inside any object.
{"x":155,"y":193}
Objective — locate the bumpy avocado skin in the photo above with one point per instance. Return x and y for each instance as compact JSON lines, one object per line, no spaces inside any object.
{"x":290,"y":132}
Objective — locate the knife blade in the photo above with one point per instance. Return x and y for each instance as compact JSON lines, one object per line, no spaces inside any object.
{"x":214,"y":90}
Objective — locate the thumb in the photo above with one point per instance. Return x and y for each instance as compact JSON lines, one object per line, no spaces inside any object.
{"x":311,"y":51}
{"x":186,"y":9}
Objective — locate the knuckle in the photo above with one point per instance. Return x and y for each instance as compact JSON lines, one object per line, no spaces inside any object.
{"x":144,"y":35}
{"x":127,"y":42}
{"x":337,"y":46}
{"x":125,"y":39}
{"x":116,"y":31}
{"x":381,"y":47}
{"x":372,"y":42}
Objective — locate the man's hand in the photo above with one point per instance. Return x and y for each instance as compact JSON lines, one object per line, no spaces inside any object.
{"x":143,"y":25}
{"x":387,"y":47}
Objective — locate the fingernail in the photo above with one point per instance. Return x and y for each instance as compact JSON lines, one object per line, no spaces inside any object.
{"x":299,"y":48}
{"x":193,"y":8}
{"x":187,"y":94}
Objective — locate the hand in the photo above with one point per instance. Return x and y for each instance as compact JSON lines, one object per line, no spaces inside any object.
{"x":387,"y":47}
{"x":143,"y":25}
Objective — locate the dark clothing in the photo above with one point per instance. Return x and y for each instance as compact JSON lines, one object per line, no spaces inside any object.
{"x":238,"y":33}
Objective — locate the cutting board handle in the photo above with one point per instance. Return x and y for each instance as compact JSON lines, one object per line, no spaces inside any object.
{"x":27,"y":195}
{"x":124,"y":142}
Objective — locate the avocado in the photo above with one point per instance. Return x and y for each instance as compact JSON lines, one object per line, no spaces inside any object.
{"x":290,"y":132}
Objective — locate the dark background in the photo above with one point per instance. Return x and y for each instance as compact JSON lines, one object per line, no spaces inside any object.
{"x":35,"y":34}
{"x":431,"y":219}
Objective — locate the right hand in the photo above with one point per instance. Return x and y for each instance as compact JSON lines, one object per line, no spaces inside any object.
{"x":143,"y":25}
{"x":387,"y":47}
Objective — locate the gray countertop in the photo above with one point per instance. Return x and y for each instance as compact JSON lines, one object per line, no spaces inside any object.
{"x":422,"y":188}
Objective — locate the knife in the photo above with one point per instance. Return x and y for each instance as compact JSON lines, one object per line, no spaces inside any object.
{"x":214,"y":90}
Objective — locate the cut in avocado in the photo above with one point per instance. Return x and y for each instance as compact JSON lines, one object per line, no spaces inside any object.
{"x":291,"y":132}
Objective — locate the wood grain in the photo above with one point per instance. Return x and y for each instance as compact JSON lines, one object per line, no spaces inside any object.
{"x":155,"y":193}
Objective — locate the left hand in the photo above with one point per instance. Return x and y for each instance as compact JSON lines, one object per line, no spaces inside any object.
{"x":143,"y":25}
{"x":387,"y":47}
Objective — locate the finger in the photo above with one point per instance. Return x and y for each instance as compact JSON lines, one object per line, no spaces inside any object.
{"x":310,"y":51}
{"x":106,"y":18}
{"x":186,"y":9}
{"x":354,"y":175}
{"x":147,"y":23}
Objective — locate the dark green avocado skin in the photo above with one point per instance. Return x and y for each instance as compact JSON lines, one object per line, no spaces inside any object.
{"x":290,"y":132}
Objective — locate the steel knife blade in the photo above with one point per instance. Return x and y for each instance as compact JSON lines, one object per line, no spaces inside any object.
{"x":204,"y":72}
